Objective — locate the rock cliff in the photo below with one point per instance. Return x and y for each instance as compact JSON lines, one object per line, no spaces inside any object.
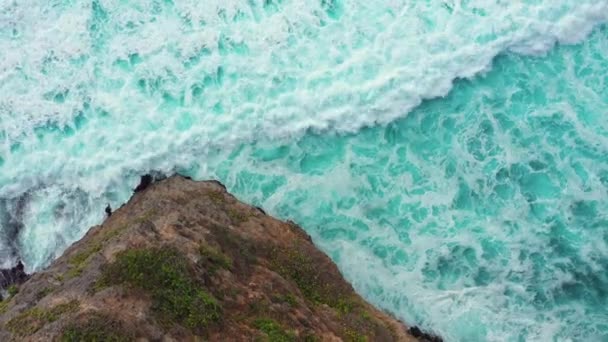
{"x":185,"y":260}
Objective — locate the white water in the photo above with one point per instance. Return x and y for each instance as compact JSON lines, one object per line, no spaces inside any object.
{"x":93,"y":94}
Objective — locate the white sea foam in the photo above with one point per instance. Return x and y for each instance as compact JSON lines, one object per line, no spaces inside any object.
{"x":93,"y":94}
{"x":372,"y":64}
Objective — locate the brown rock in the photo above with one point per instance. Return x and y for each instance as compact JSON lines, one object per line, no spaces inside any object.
{"x":186,"y":261}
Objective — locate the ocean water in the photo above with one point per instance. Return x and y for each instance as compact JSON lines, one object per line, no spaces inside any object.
{"x":450,"y":156}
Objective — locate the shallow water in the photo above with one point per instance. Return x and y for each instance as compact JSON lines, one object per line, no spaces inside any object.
{"x":480,"y":215}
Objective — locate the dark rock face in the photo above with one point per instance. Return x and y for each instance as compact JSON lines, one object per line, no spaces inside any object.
{"x":261,"y":210}
{"x":144,"y":183}
{"x":148,"y":179}
{"x":185,"y":261}
{"x":423,"y":336}
{"x":219,"y":184}
{"x":13,"y":276}
{"x":11,"y":221}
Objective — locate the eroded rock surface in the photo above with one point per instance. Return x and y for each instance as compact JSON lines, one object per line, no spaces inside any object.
{"x":184,"y":260}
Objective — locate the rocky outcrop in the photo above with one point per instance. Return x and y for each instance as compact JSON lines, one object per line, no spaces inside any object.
{"x":184,"y":260}
{"x":10,"y":278}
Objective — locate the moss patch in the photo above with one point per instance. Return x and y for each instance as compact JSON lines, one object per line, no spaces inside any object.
{"x":43,"y":293}
{"x":4,"y":306}
{"x":96,"y":327}
{"x":145,"y":217}
{"x":317,"y":287}
{"x":237,"y":216}
{"x":31,"y":320}
{"x":214,"y":259}
{"x":293,"y":264}
{"x":78,"y":261}
{"x":216,"y":197}
{"x":13,"y":290}
{"x":273,"y":330}
{"x":310,"y":338}
{"x":288,"y":298}
{"x":354,"y":336}
{"x":167,"y":277}
{"x":242,"y":251}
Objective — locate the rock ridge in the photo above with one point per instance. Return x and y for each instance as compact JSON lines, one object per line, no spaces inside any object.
{"x":186,"y":261}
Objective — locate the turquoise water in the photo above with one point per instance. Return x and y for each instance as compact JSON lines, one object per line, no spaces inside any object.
{"x":479,"y":214}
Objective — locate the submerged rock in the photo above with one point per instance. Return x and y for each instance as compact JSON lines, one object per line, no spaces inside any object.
{"x":13,"y":276}
{"x":185,"y":260}
{"x":12,"y":211}
{"x":423,"y":336}
{"x":144,"y":182}
{"x":148,"y":179}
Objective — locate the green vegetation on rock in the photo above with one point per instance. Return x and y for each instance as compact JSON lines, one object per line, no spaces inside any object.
{"x":354,"y":336}
{"x":216,"y":196}
{"x":31,"y":320}
{"x":12,"y":290}
{"x":293,"y":264}
{"x":214,"y":258}
{"x":79,"y":260}
{"x":273,"y":330}
{"x":288,"y":298}
{"x":43,"y":293}
{"x":97,"y":327}
{"x":236,"y":216}
{"x":3,"y":306}
{"x":167,"y":277}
